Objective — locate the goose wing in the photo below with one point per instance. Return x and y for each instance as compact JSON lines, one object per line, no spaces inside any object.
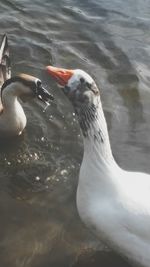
{"x":5,"y":69}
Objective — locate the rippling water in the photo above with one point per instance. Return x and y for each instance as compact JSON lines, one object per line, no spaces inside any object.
{"x":39,"y":224}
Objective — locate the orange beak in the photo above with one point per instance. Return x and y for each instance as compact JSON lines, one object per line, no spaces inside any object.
{"x":62,"y":76}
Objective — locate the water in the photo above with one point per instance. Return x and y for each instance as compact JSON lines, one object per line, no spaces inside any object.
{"x":39,"y":224}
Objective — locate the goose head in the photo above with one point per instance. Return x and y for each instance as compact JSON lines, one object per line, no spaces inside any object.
{"x":25,"y":87}
{"x":77,"y":85}
{"x":81,"y":90}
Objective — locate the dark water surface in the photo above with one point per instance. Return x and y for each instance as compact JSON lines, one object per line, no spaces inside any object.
{"x":39,"y":224}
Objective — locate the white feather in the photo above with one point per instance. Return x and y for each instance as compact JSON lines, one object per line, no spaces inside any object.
{"x":112,"y":202}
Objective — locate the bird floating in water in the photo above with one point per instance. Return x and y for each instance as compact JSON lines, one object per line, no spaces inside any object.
{"x":25,"y":87}
{"x":112,"y":202}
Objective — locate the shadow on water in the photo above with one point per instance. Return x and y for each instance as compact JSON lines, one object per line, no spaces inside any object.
{"x":94,"y":259}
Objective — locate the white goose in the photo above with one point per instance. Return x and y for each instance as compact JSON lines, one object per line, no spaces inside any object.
{"x":23,"y":86}
{"x":112,"y":202}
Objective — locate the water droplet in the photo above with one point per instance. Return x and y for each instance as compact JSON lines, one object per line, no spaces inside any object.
{"x":50,"y":117}
{"x":37,"y":178}
{"x":63,"y":172}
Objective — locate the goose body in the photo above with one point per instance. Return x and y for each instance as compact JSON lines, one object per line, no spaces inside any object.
{"x":12,"y":118}
{"x":112,"y":202}
{"x":12,"y":90}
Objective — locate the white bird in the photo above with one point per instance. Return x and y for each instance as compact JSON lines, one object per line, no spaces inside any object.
{"x":112,"y":202}
{"x":25,"y":87}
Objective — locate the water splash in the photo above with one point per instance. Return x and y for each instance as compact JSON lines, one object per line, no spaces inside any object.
{"x":47,"y":104}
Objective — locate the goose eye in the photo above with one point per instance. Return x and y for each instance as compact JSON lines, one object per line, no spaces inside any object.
{"x":82,"y":80}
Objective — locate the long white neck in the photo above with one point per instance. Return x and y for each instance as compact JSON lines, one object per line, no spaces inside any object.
{"x":9,"y":99}
{"x":12,"y":112}
{"x":96,"y":139}
{"x":98,"y":169}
